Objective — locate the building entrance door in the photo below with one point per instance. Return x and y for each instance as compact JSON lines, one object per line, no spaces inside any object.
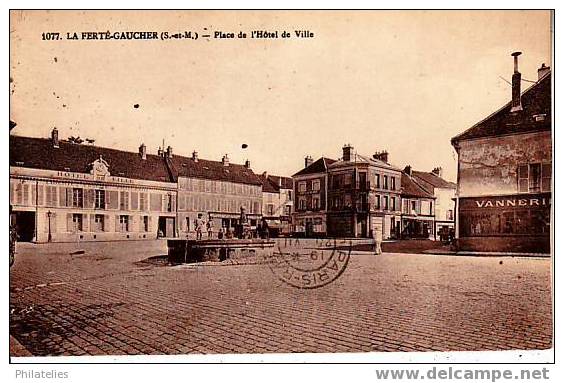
{"x":166,"y":226}
{"x":25,"y":225}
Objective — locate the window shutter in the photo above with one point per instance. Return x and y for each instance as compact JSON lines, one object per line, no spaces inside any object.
{"x":141,"y":220}
{"x":40,"y":195}
{"x":150,"y":224}
{"x":523,"y":178}
{"x":117,"y":223}
{"x":69,"y":196}
{"x":106,"y":223}
{"x":69,"y":222}
{"x":93,"y":222}
{"x":85,"y":222}
{"x":134,"y":200}
{"x":173,"y":197}
{"x":132,"y":222}
{"x":53,"y":223}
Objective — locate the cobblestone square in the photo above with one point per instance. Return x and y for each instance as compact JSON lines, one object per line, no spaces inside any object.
{"x":105,"y":300}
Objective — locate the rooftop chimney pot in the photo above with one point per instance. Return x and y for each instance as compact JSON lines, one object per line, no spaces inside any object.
{"x":225,"y":160}
{"x":543,"y":70}
{"x":169,"y":151}
{"x":143,"y":151}
{"x":516,"y":85}
{"x":247,"y":164}
{"x":347,"y":152}
{"x":55,"y":137}
{"x":308,"y":161}
{"x":195,"y":156}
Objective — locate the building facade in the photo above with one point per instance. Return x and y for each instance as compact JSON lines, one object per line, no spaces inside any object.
{"x":64,"y":192}
{"x":505,"y":174}
{"x":417,"y":208}
{"x":215,"y":191}
{"x":444,"y":193}
{"x":363,"y":196}
{"x":310,"y":204}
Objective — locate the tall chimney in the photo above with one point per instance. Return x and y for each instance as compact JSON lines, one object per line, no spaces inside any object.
{"x":195,"y":156}
{"x":169,"y":151}
{"x":143,"y":151}
{"x":247,"y":164}
{"x":225,"y":160}
{"x":308,"y":161}
{"x":543,"y":71}
{"x":516,"y":84}
{"x":347,"y":151}
{"x":438,"y":171}
{"x":55,"y":137}
{"x":407,"y":170}
{"x":382,"y":156}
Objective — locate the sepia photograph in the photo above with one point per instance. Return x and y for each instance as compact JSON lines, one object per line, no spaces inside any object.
{"x":336,"y":184}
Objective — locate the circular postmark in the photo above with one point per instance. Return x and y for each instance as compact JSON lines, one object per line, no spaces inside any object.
{"x":309,"y":264}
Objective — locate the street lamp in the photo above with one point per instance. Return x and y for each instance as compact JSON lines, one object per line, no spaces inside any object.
{"x":49,"y":238}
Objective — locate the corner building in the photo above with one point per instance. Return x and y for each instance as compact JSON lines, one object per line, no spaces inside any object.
{"x":505,"y":174}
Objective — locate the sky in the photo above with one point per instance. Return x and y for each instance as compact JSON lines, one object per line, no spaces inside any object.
{"x":401,"y":81}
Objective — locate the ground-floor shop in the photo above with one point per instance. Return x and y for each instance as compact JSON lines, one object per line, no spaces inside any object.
{"x":510,"y":223}
{"x":76,"y":225}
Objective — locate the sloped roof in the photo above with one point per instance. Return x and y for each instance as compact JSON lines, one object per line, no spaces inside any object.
{"x":281,"y":182}
{"x":535,"y":100}
{"x":410,"y":188}
{"x":359,"y":158}
{"x":268,"y":186}
{"x":213,"y":170}
{"x":38,"y":153}
{"x":433,"y":179}
{"x":273,"y":184}
{"x":319,"y":166}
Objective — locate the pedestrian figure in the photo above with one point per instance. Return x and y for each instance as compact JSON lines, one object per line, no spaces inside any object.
{"x":210,"y":228}
{"x":199,"y":224}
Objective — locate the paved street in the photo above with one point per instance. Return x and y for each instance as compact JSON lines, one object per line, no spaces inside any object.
{"x":105,"y":301}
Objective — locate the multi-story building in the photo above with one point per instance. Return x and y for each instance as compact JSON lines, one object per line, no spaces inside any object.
{"x":216,"y":191}
{"x":363,"y":196}
{"x":417,"y":208}
{"x":277,"y":196}
{"x":444,"y":193}
{"x":61,"y":191}
{"x":310,"y":190}
{"x":505,"y":173}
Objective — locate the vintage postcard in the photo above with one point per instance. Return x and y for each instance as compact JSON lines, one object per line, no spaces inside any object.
{"x":241,"y":184}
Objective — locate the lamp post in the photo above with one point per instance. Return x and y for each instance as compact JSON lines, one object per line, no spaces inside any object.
{"x":49,"y":238}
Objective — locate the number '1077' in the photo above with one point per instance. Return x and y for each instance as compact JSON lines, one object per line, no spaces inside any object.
{"x":50,"y":36}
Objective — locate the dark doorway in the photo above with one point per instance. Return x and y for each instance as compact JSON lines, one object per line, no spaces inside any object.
{"x":25,"y":225}
{"x":166,"y":226}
